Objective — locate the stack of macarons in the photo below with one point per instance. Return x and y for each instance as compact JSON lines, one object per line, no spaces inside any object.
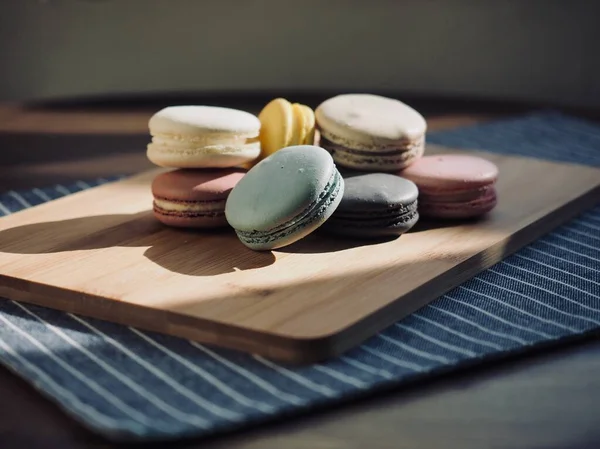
{"x":383,"y":140}
{"x":206,"y":146}
{"x":371,"y":138}
{"x":354,"y":167}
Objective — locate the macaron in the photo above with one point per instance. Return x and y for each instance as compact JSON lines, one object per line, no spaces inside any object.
{"x":203,"y":137}
{"x":285,"y":197}
{"x":375,"y":205}
{"x":454,"y":186}
{"x":370,"y":132}
{"x":194,"y":198}
{"x":285,"y":124}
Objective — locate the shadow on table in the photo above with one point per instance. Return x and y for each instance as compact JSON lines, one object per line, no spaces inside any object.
{"x":188,"y":252}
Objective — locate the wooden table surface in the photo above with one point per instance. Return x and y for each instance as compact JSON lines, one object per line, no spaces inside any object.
{"x":546,"y":399}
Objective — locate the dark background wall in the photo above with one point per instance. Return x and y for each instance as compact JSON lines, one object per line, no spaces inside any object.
{"x":540,"y":50}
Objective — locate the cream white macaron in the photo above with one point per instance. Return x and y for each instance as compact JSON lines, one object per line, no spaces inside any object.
{"x":203,"y":137}
{"x":370,"y":132}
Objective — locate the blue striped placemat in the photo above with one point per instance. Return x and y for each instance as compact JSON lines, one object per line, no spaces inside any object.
{"x":130,"y":384}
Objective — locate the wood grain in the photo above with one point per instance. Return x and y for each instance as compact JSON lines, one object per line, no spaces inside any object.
{"x":101,"y":253}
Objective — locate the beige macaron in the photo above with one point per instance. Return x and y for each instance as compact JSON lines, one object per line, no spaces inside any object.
{"x":203,"y":137}
{"x":370,"y":132}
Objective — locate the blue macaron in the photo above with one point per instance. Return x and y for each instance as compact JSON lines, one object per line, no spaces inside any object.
{"x":284,"y":197}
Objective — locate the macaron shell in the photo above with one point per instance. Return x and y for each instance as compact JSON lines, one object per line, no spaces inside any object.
{"x":200,"y":120}
{"x":319,"y":216}
{"x":374,"y":230}
{"x":304,"y":123}
{"x":460,"y":210}
{"x":276,"y":120}
{"x":376,"y":191}
{"x":366,"y":121}
{"x":297,"y":126}
{"x":451,"y":172}
{"x":279,"y":188}
{"x":196,"y":185}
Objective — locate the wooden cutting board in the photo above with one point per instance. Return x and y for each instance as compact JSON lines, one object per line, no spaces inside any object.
{"x":101,"y":253}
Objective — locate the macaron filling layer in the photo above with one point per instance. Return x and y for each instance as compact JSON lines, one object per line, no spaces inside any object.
{"x":205,"y":144}
{"x":390,"y":217}
{"x":355,"y":147}
{"x":212,"y":208}
{"x":456,"y":195}
{"x":460,"y":209}
{"x":389,"y":151}
{"x":386,"y":159}
{"x":314,"y":211}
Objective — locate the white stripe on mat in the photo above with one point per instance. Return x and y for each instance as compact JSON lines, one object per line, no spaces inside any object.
{"x":556,"y":268}
{"x":340,"y":376}
{"x":393,"y":360}
{"x":420,"y":353}
{"x":543,"y":304}
{"x":322,"y":389}
{"x":524,"y":312}
{"x":62,"y":189}
{"x":19,"y":198}
{"x":181,"y":389}
{"x":41,"y":194}
{"x":91,"y":384}
{"x":481,"y":328}
{"x":178,"y":415}
{"x":497,"y":318}
{"x":366,"y":368}
{"x":594,"y":218}
{"x":435,"y":341}
{"x":558,"y":281}
{"x":83,"y":185}
{"x":586,"y":224}
{"x":60,"y":392}
{"x":5,"y":209}
{"x":585,"y":234}
{"x":261,"y":383}
{"x":223,"y":388}
{"x":459,"y":334}
{"x":577,"y":242}
{"x":570,"y":251}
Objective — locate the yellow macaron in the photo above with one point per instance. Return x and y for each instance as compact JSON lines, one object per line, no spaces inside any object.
{"x":303,"y":129}
{"x":283,"y":124}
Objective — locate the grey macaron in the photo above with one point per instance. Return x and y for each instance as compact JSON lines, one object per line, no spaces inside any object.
{"x":375,"y":205}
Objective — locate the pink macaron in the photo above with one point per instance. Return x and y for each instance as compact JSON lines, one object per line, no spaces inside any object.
{"x":454,"y":186}
{"x":194,"y":198}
